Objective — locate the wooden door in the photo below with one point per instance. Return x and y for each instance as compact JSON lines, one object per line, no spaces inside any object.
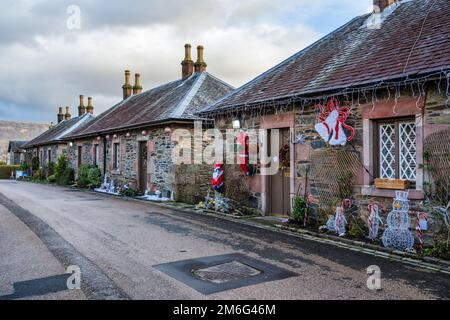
{"x":142,"y":166}
{"x":279,"y":183}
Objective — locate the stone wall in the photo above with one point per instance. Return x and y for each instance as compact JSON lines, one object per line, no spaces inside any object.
{"x":187,"y":183}
{"x":306,"y":158}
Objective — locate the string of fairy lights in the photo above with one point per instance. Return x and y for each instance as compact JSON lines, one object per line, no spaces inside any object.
{"x":353,"y":97}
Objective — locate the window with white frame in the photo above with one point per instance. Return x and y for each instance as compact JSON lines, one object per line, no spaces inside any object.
{"x":397,"y":150}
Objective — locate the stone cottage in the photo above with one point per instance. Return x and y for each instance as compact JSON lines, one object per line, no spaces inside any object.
{"x":387,"y":76}
{"x":132,"y":141}
{"x":50,"y":145}
{"x":16,"y":152}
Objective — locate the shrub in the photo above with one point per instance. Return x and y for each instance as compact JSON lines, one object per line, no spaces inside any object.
{"x":82,"y":181}
{"x":3,"y":163}
{"x":94,"y":178}
{"x":38,"y":175}
{"x":5,"y":171}
{"x":67,"y":177}
{"x":299,"y":209}
{"x":129,"y":192}
{"x":89,"y":177}
{"x":25,"y":167}
{"x":49,"y":169}
{"x":357,"y":228}
{"x":35,"y":163}
{"x":51,"y":179}
{"x":60,"y":166}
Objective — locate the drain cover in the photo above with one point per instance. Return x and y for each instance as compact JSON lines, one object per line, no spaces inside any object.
{"x":226,"y":272}
{"x":219,"y":273}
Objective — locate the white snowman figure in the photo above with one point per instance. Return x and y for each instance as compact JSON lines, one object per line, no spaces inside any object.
{"x":373,"y":221}
{"x":397,"y":235}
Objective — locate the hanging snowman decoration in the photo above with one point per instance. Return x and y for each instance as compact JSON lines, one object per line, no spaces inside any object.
{"x":397,"y":235}
{"x":373,"y":221}
{"x":332,"y":124}
{"x":217,"y":180}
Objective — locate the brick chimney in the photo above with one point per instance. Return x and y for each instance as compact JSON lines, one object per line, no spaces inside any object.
{"x":380,"y":5}
{"x":90,"y":107}
{"x":81,"y":108}
{"x":137,"y":89}
{"x":187,"y":64}
{"x":127,"y":87}
{"x":68,"y":116}
{"x":60,"y":115}
{"x":200,"y":65}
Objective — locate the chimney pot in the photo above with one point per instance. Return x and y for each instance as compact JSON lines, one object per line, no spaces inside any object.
{"x":81,"y":108}
{"x":127,"y":87}
{"x":67,"y":116}
{"x":200,"y":65}
{"x":381,"y":5}
{"x":137,"y":89}
{"x":187,"y":64}
{"x":90,"y":107}
{"x":60,"y":115}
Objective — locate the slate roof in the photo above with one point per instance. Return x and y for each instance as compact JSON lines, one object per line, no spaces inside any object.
{"x":177,"y":100}
{"x":15,"y":146}
{"x":355,"y":55}
{"x":60,"y":131}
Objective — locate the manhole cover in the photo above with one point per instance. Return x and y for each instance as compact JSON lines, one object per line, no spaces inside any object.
{"x":226,"y":272}
{"x":214,"y":274}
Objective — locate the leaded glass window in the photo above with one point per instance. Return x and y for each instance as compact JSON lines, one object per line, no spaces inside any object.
{"x":397,"y":150}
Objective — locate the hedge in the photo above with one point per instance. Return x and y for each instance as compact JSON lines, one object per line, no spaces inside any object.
{"x":5,"y":171}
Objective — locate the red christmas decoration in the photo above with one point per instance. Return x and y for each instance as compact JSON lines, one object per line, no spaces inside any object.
{"x":332,"y":122}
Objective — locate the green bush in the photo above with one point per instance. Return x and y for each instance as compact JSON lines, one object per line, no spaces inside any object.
{"x":25,"y":167}
{"x":49,"y":169}
{"x":129,"y":192}
{"x":5,"y":171}
{"x":60,"y":166}
{"x":357,"y":228}
{"x":89,"y":177}
{"x":94,"y":178}
{"x":35,"y":163}
{"x":299,"y":209}
{"x":67,"y":177}
{"x":38,"y":175}
{"x":3,"y":163}
{"x":51,"y":179}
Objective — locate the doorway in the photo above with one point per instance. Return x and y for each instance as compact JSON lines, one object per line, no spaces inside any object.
{"x":142,"y":166}
{"x":279,"y":183}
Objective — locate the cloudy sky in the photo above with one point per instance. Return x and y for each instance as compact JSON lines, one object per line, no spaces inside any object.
{"x":47,"y":58}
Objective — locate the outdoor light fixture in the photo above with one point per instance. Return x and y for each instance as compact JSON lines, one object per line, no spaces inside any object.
{"x":236,"y":124}
{"x":99,"y":138}
{"x":128,"y":134}
{"x":71,"y":144}
{"x":144,"y":132}
{"x":167,"y":130}
{"x":115,"y":136}
{"x":108,"y":136}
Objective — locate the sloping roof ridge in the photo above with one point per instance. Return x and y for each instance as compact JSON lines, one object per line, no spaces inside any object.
{"x":77,"y":124}
{"x":285,"y":62}
{"x":220,"y":80}
{"x":184,"y":103}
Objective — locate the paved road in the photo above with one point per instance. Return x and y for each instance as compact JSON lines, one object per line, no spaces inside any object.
{"x":117,"y":242}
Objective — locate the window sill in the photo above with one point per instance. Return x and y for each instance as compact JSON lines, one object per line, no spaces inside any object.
{"x":372,"y":191}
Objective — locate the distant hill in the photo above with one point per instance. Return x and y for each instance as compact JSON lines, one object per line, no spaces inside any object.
{"x":22,"y":131}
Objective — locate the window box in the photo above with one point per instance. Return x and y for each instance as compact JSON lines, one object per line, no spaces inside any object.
{"x":395,"y":184}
